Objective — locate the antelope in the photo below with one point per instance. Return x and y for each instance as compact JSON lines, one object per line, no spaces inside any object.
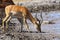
{"x":12,"y":10}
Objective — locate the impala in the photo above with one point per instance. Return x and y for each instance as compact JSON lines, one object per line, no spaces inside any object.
{"x":11,"y":10}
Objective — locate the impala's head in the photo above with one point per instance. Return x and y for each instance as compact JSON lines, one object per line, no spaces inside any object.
{"x":38,"y":25}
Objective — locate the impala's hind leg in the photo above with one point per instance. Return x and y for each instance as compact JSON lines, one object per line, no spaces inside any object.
{"x":7,"y":22}
{"x":3,"y":22}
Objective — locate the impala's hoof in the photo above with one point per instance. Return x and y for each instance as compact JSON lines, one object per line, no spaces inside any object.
{"x":2,"y":27}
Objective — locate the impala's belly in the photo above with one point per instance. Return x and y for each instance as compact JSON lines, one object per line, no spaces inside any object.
{"x":17,"y":14}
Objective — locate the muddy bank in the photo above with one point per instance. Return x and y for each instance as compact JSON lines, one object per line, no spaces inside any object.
{"x":29,"y":36}
{"x":44,"y":6}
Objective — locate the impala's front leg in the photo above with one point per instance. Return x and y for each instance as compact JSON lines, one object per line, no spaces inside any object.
{"x":27,"y":27}
{"x":25,"y":23}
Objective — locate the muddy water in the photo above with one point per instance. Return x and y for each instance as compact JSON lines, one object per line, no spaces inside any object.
{"x":53,"y":16}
